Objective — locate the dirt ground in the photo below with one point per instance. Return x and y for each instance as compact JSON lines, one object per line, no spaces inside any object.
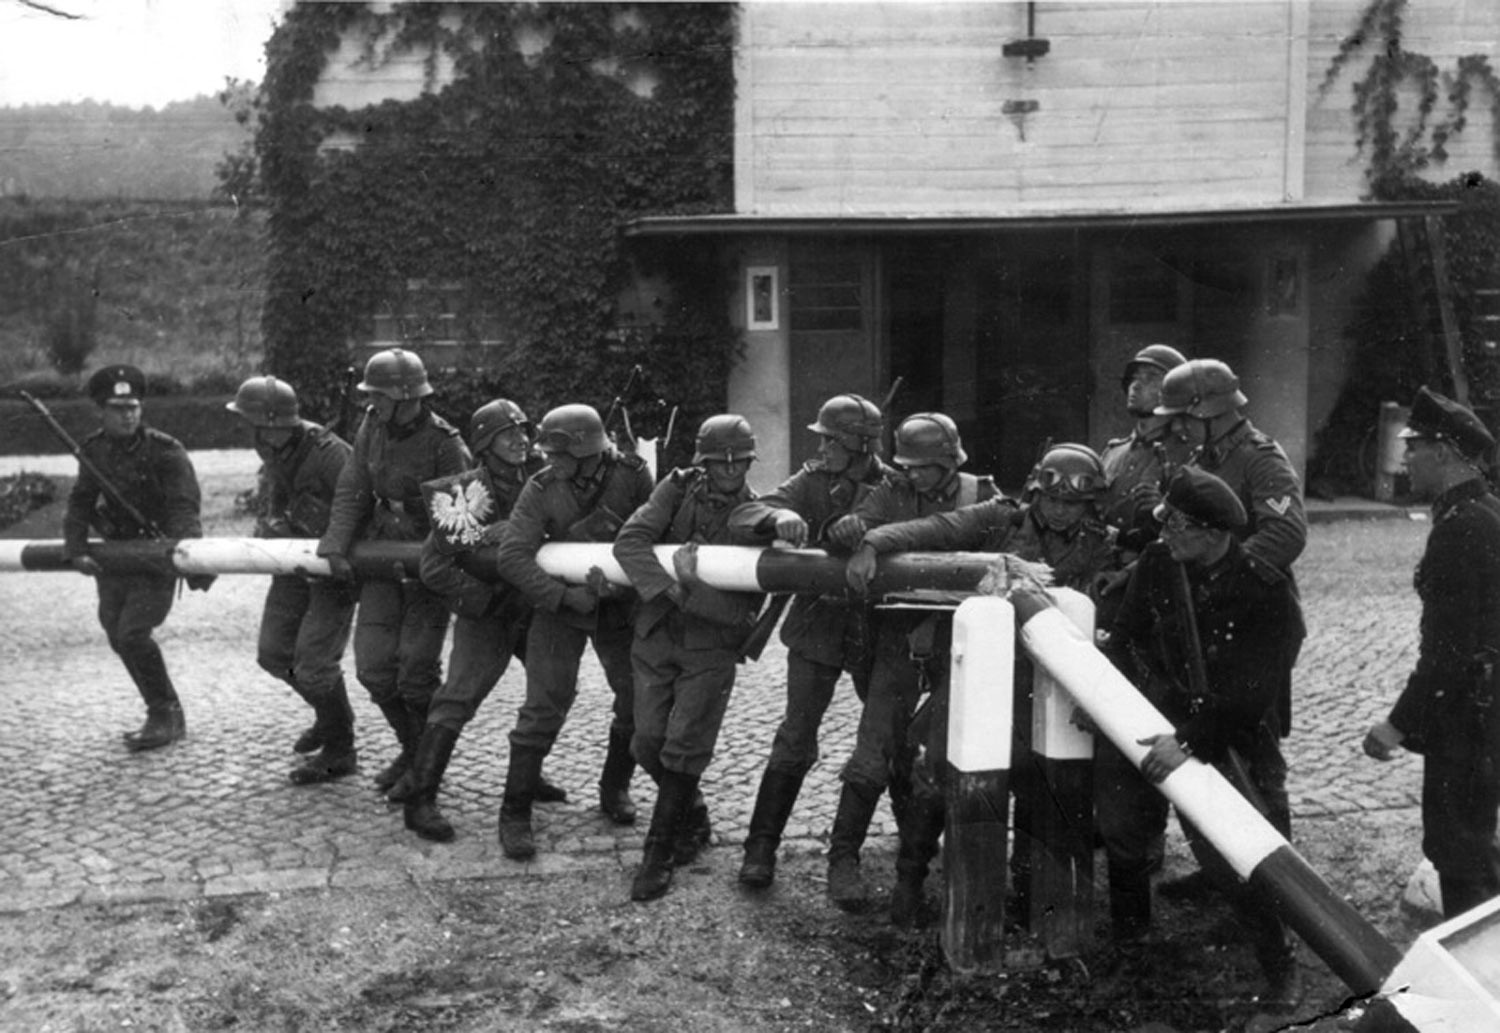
{"x":553,"y":953}
{"x":568,"y":951}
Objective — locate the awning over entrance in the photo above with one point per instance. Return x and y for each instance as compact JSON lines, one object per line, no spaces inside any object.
{"x":727,"y":225}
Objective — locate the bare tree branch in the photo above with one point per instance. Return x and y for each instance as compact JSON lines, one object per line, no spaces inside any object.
{"x":35,"y":6}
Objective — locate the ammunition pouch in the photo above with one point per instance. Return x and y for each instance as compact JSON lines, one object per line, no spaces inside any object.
{"x":599,"y":525}
{"x":309,"y":515}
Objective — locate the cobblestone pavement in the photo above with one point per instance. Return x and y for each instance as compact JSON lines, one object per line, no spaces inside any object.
{"x":87,"y":821}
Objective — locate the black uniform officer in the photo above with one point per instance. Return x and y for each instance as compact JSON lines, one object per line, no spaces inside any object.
{"x":688,"y":637}
{"x":1198,"y":573}
{"x":151,"y":492}
{"x":1448,"y":711}
{"x":305,"y":622}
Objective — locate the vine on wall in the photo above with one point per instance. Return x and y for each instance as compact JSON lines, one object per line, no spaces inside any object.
{"x":512,"y":181}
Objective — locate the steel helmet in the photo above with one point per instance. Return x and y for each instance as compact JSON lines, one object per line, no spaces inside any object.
{"x":927,"y":439}
{"x":1071,"y":472}
{"x":493,"y":417}
{"x":267,"y":402}
{"x":853,"y":421}
{"x":1204,"y":388}
{"x":396,"y":373}
{"x":574,"y":429}
{"x":726,"y":437}
{"x":1163,"y":356}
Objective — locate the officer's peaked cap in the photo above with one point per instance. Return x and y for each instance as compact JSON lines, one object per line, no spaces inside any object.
{"x":1204,"y":498}
{"x":117,"y":383}
{"x":1433,"y":416}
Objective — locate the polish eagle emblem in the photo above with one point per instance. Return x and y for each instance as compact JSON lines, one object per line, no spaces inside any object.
{"x":461,"y":507}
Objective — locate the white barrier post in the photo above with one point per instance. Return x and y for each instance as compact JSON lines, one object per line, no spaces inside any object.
{"x":979,"y":731}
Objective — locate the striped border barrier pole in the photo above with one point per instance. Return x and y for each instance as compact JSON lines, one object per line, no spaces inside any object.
{"x":1062,"y":867}
{"x":978,"y":783}
{"x":1355,"y":951}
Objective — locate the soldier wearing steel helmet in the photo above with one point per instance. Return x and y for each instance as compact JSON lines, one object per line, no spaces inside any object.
{"x":910,"y":647}
{"x":305,"y":622}
{"x":469,"y":512}
{"x":152,"y":491}
{"x":401,"y":623}
{"x":687,"y":640}
{"x":584,"y":494}
{"x":1059,"y":524}
{"x":824,"y":635}
{"x":1133,"y":464}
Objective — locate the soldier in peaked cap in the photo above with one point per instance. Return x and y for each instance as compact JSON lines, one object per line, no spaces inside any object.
{"x":1449,"y":711}
{"x":1199,"y":574}
{"x":134,"y":482}
{"x":305,"y":622}
{"x":401,"y":623}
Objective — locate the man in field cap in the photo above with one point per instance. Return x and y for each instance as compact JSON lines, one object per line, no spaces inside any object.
{"x":134,"y":482}
{"x":1448,"y":710}
{"x":1200,"y":632}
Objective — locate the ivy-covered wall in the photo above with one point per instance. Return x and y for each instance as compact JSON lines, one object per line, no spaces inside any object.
{"x":512,"y":181}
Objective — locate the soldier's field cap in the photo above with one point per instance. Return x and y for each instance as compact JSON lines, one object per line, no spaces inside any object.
{"x":1204,"y":499}
{"x":117,"y":384}
{"x":1433,"y":416}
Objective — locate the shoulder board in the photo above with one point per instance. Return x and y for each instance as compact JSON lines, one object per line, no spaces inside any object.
{"x":444,"y":426}
{"x":1112,"y":442}
{"x":685,"y":475}
{"x":161,"y":437}
{"x":630,"y":460}
{"x":813,"y":466}
{"x":95,"y":435}
{"x":546,"y":475}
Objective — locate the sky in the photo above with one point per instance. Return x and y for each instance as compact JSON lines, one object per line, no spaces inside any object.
{"x":135,"y":53}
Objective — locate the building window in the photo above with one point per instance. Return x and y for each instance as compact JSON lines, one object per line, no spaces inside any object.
{"x":826,"y":293}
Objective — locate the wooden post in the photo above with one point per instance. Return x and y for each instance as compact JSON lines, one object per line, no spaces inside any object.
{"x":1062,"y":865}
{"x":974,"y":844}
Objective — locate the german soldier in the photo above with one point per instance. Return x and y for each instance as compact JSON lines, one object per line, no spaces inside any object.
{"x":1133,"y":464}
{"x":401,"y":624}
{"x":1059,"y":525}
{"x":910,"y":648}
{"x":584,"y":494}
{"x":134,"y":482}
{"x":1219,"y":688}
{"x":469,"y":512}
{"x":1448,"y":711}
{"x":305,"y":622}
{"x":688,"y":637}
{"x":824,"y":636}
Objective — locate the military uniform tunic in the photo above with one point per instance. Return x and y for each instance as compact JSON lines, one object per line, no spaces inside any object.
{"x":490,"y":618}
{"x":401,"y":625}
{"x":552,"y":509}
{"x":824,"y":635}
{"x":684,"y":659}
{"x":1449,"y":711}
{"x":152,"y":471}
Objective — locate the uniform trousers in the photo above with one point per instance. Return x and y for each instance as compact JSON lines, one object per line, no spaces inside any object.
{"x":809,"y":691}
{"x":482,"y":650}
{"x":131,"y":606}
{"x":897,"y":682}
{"x":681,"y":696}
{"x":554,"y":648}
{"x":398,"y":642}
{"x":1460,"y":797}
{"x":304,"y":629}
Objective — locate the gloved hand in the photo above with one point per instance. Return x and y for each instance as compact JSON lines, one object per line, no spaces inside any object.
{"x":1382,"y":739}
{"x":87,"y":566}
{"x":847,"y":531}
{"x":602,"y":587}
{"x":579,"y":599}
{"x":860,"y":569}
{"x":339,"y":567}
{"x":685,"y":563}
{"x":791,"y":528}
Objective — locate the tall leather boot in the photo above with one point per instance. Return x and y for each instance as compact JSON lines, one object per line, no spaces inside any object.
{"x":337,"y":757}
{"x":421,"y":813}
{"x":773,"y":806}
{"x":1130,"y":899}
{"x":693,"y":833}
{"x":614,"y":780}
{"x":165,"y":723}
{"x":673,"y":800}
{"x":846,"y":883}
{"x":521,"y":778}
{"x":400,"y":719}
{"x":920,"y":835}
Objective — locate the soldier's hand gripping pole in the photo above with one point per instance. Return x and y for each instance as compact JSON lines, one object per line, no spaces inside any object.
{"x":105,"y":484}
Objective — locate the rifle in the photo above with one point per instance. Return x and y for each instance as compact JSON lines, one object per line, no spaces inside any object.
{"x":110,"y":491}
{"x":1235,"y":768}
{"x":340,"y":425}
{"x":618,"y":402}
{"x":765,"y":624}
